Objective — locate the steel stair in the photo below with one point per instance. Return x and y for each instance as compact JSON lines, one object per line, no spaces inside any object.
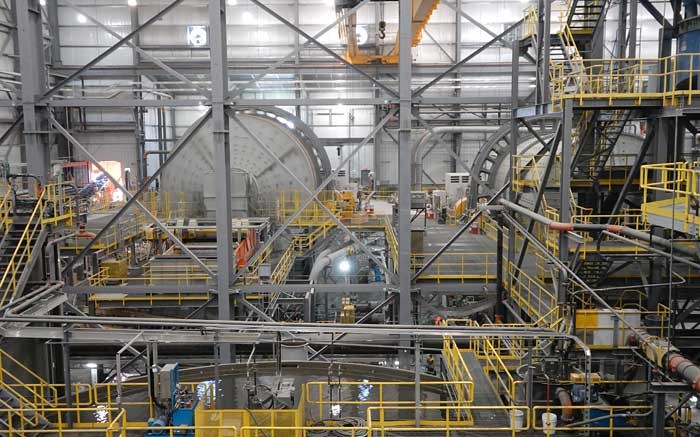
{"x":585,"y":16}
{"x":597,"y":137}
{"x":18,"y":265}
{"x":594,"y":269}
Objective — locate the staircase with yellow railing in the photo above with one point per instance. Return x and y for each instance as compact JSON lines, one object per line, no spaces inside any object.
{"x":25,"y":220}
{"x":24,"y":390}
{"x":18,"y":257}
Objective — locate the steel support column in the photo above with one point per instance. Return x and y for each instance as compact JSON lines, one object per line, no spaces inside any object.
{"x":224,"y":231}
{"x":32,"y":68}
{"x":514,"y":126}
{"x":565,"y":194}
{"x":404,"y":236}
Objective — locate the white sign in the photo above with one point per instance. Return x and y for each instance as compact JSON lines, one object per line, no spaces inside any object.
{"x":197,"y":36}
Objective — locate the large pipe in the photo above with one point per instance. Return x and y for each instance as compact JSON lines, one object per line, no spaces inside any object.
{"x":686,"y":369}
{"x":615,"y":229}
{"x":325,"y":259}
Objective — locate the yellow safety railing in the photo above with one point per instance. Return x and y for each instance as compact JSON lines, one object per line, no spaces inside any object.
{"x":392,"y":242}
{"x":530,"y":23}
{"x":29,"y":384}
{"x":533,"y":297}
{"x":634,"y":79}
{"x":447,"y":420}
{"x":527,"y":171}
{"x":458,"y":370}
{"x":22,"y":253}
{"x":59,"y":204}
{"x":387,"y":418}
{"x":497,"y":372}
{"x":5,"y":210}
{"x":304,"y":242}
{"x":124,"y":231}
{"x":284,"y":266}
{"x":105,"y":394}
{"x":672,"y":191}
{"x":326,"y":396}
{"x":313,"y":214}
{"x":456,"y":266}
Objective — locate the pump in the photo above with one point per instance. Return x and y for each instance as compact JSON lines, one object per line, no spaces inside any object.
{"x":175,"y":403}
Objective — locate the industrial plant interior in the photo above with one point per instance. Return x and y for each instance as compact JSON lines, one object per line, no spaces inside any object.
{"x":349,"y":218}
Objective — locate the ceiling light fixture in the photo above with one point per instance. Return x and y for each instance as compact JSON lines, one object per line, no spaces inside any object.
{"x":247,"y":17}
{"x":132,"y":3}
{"x":81,"y":18}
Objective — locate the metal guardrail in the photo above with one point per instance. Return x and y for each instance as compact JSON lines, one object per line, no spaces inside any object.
{"x":670,"y":79}
{"x":672,"y":191}
{"x":460,"y":266}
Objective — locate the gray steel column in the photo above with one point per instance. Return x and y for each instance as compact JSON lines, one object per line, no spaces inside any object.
{"x":404,"y":237}
{"x":457,"y":137}
{"x":659,"y":415}
{"x":33,"y":72}
{"x":546,"y":27}
{"x":219,"y":89}
{"x":514,"y":125}
{"x":632,"y":37}
{"x":564,"y":194}
{"x":621,"y":30}
{"x":52,"y":18}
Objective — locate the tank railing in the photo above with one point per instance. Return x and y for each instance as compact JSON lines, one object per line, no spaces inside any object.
{"x":325,"y":396}
{"x":389,"y":418}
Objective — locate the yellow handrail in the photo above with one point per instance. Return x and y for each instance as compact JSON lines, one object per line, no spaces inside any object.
{"x":5,"y":208}
{"x":22,"y":252}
